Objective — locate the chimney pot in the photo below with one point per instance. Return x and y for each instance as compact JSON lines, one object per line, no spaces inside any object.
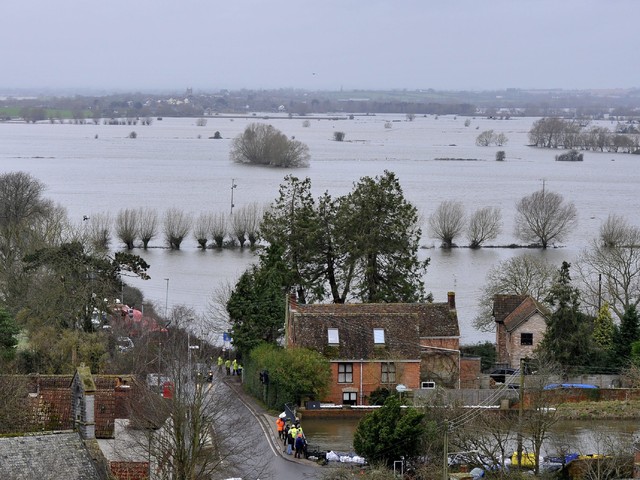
{"x":451,"y":297}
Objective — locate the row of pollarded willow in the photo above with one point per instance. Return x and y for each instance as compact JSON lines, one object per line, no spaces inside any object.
{"x":542,"y":217}
{"x":175,"y":225}
{"x":552,"y":132}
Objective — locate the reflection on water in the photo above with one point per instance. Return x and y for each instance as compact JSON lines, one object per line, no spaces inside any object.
{"x":566,"y":436}
{"x":330,"y":433}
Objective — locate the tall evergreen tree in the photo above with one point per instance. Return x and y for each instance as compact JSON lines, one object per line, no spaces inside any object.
{"x":626,"y":334}
{"x":361,"y":246}
{"x":567,"y":340}
{"x":8,"y":332}
{"x":256,"y":305}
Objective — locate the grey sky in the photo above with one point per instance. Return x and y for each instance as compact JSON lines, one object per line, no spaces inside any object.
{"x":319,"y":44}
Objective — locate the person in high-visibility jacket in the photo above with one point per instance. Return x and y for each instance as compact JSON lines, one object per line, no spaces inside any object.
{"x":293,"y":432}
{"x":220,"y":363}
{"x":234,"y":367}
{"x":280,"y":426}
{"x":227,"y":366}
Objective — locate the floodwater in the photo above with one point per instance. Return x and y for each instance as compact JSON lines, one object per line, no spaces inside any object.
{"x":568,"y":435}
{"x":91,"y":169}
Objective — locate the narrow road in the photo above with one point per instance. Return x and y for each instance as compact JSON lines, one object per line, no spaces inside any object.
{"x":266,"y":460}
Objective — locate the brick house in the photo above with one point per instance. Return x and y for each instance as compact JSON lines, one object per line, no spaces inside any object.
{"x":520,"y":327}
{"x":379,"y":344}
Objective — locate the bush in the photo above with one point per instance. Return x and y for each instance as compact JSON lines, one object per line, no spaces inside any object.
{"x":500,"y":155}
{"x":338,"y":136}
{"x":133,"y":135}
{"x":570,"y":156}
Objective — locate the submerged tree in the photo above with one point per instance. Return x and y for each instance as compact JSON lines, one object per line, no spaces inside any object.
{"x":127,"y":226}
{"x":484,"y":225}
{"x":543,"y":217}
{"x":177,"y":224}
{"x":262,"y":144}
{"x":447,"y":222}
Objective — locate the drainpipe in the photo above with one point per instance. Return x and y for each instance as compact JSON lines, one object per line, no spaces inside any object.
{"x":361,"y":392}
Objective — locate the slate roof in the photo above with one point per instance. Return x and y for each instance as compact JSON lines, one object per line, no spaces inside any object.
{"x":404,"y":325}
{"x":522,"y":313}
{"x":46,"y":457}
{"x":503,"y":305}
{"x":514,"y":310}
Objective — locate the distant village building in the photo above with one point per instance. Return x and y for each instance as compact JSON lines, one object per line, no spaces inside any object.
{"x":520,"y":327}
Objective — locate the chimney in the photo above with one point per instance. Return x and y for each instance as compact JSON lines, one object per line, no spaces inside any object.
{"x":451,"y":298}
{"x":293,"y":301}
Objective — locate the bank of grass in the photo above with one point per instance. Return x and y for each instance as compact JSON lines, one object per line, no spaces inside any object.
{"x":606,"y":410}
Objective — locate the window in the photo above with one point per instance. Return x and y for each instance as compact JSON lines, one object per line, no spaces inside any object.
{"x":345,"y":373}
{"x":526,"y":339}
{"x":388,"y":374}
{"x":378,"y":336}
{"x":334,"y":339}
{"x":349,"y":398}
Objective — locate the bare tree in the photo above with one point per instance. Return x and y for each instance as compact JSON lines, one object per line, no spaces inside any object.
{"x":540,"y":414}
{"x":202,"y":229}
{"x":485,"y":224}
{"x":238,"y":227}
{"x":252,"y":217}
{"x":14,"y":416}
{"x":195,"y":433}
{"x":523,"y":275}
{"x":147,"y":225}
{"x":543,"y":217}
{"x":500,"y":139}
{"x":219,"y":229}
{"x":616,"y":231}
{"x":485,"y":138}
{"x":491,"y":436}
{"x":447,"y":222}
{"x":612,"y":456}
{"x":99,"y":231}
{"x":127,"y":226}
{"x":610,"y":268}
{"x":177,"y":224}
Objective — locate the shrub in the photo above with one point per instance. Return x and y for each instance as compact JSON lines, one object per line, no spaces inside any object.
{"x":338,"y":136}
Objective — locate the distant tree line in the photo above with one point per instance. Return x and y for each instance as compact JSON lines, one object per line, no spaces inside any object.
{"x":553,"y":132}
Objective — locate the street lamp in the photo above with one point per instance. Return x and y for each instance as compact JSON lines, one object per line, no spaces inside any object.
{"x":166,"y":299}
{"x":233,"y":186}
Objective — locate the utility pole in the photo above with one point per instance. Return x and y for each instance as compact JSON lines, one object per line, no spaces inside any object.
{"x":520,"y":411}
{"x":233,"y":186}
{"x":445,"y":458}
{"x":166,"y":299}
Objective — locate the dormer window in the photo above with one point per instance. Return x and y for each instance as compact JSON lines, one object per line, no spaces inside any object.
{"x":378,"y":336}
{"x":333,"y":336}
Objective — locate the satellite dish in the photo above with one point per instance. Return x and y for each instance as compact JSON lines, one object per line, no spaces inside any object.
{"x":401,"y":388}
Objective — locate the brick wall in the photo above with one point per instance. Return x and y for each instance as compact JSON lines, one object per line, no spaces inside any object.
{"x":129,"y":470}
{"x":407,"y":373}
{"x":470,"y":372}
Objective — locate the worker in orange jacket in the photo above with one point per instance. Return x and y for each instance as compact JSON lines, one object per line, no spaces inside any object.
{"x":280,"y":426}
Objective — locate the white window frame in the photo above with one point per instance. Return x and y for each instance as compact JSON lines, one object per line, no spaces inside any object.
{"x":333,"y":336}
{"x":345,"y":373}
{"x":387,"y":372}
{"x":378,"y":336}
{"x":349,"y":398}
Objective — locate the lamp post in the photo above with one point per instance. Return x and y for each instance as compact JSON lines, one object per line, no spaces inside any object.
{"x":166,"y":299}
{"x":233,"y":186}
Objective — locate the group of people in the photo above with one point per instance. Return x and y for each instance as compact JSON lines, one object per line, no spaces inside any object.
{"x":232,"y":367}
{"x":292,"y":436}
